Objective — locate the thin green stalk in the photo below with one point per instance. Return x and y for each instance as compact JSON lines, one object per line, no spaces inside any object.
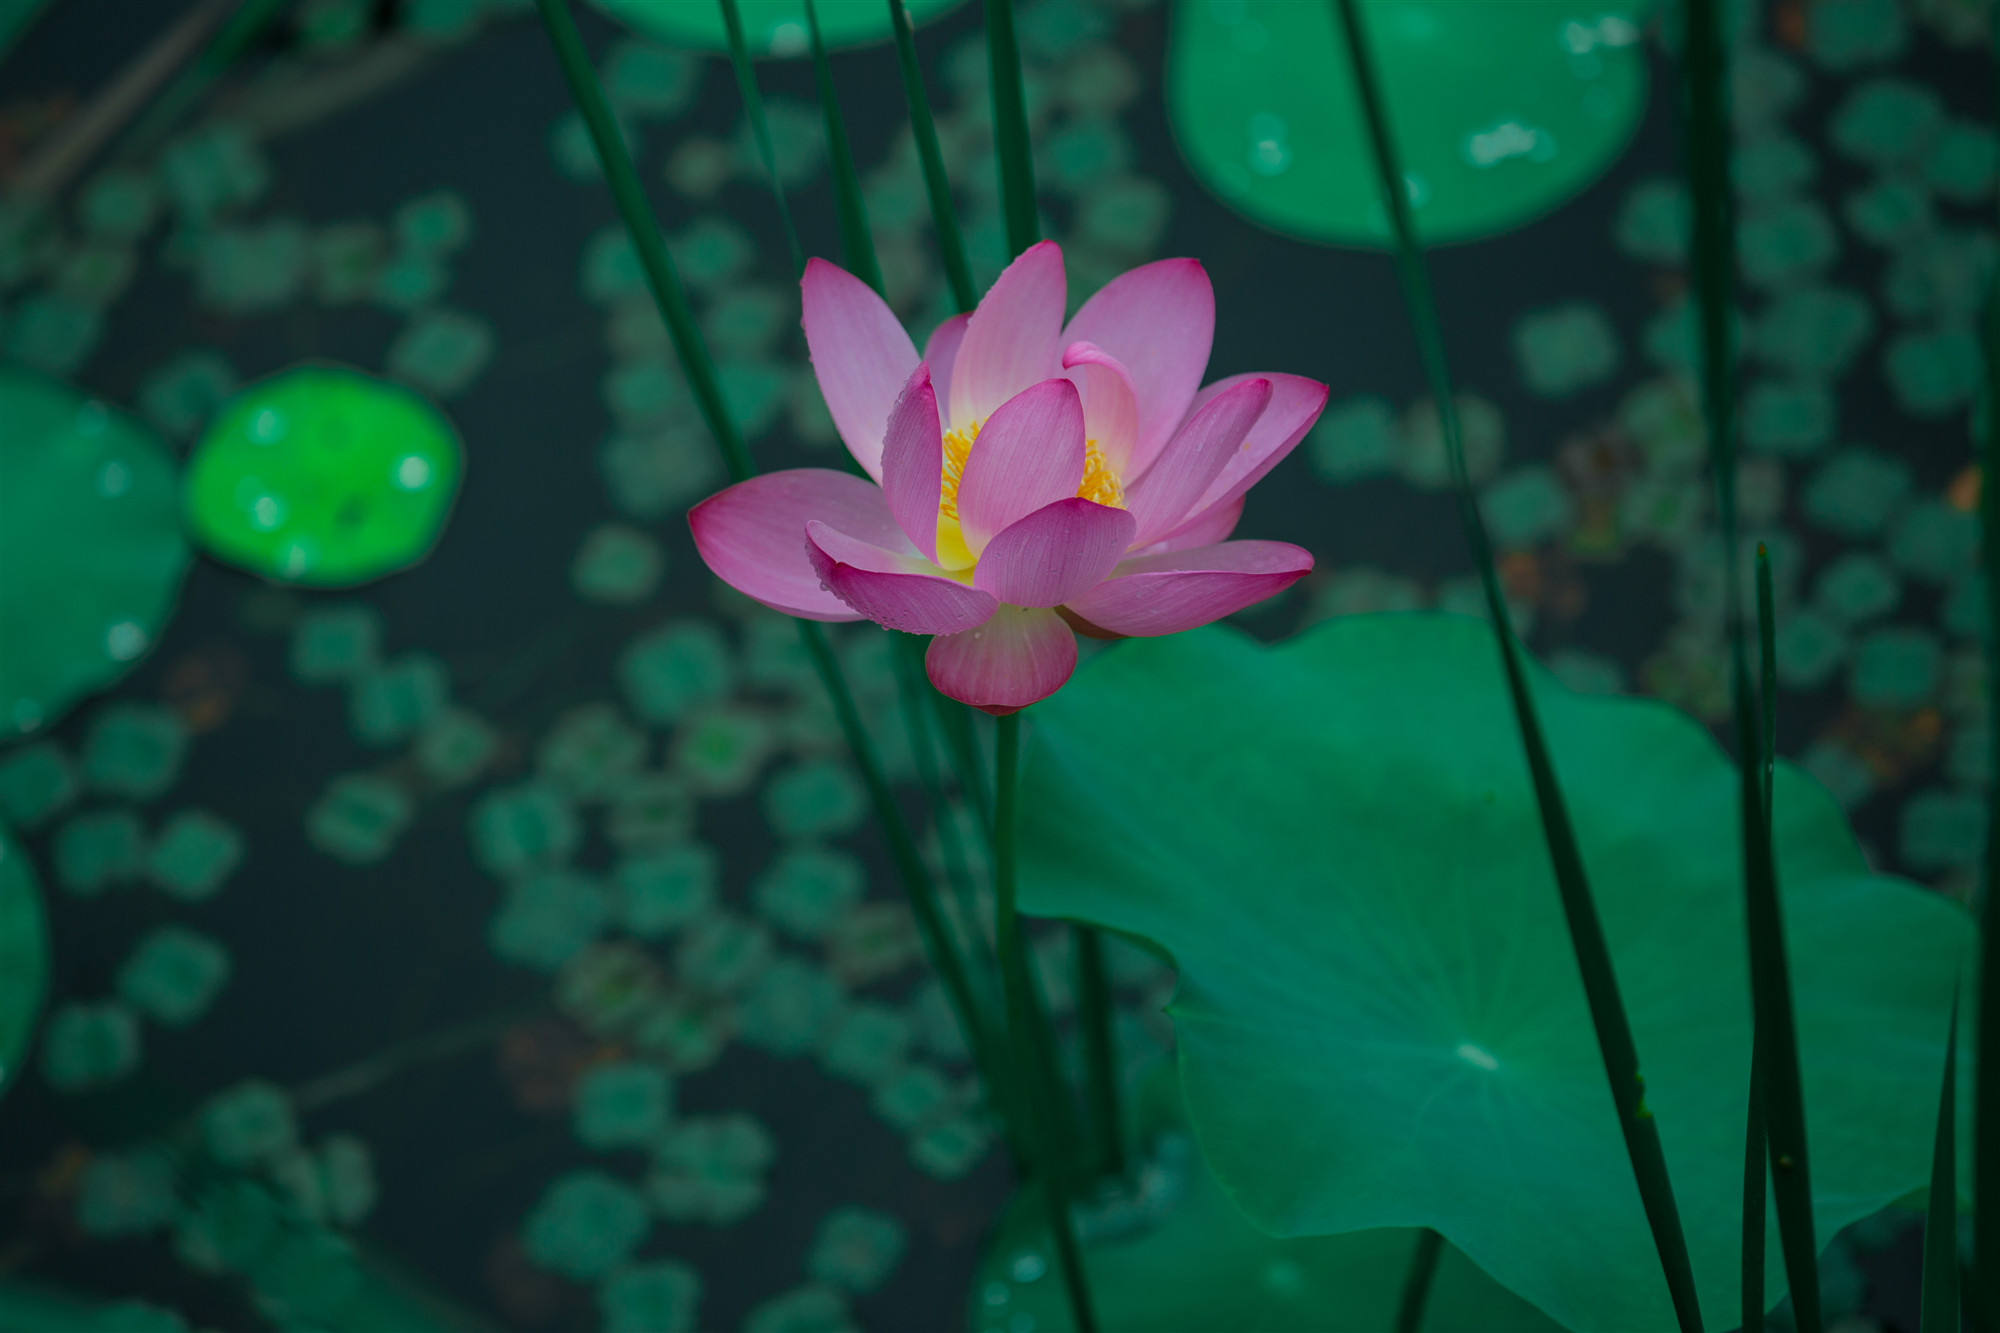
{"x":1593,"y":955}
{"x":1040,"y":1080}
{"x":1708,"y":138}
{"x":1756,"y":1192}
{"x":1417,"y":1284}
{"x":951,"y":244}
{"x":857,"y":245}
{"x":699,"y":368}
{"x":1094,"y":1011}
{"x":1940,"y":1308}
{"x":922,"y":892}
{"x":630,"y":197}
{"x":1010,"y":127}
{"x":760,"y":129}
{"x":1984,"y":1284}
{"x":238,"y":35}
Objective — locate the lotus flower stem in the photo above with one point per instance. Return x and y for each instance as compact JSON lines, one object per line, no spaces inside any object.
{"x":1756,"y":1197}
{"x":951,"y":244}
{"x":1010,"y":127}
{"x":699,"y":368}
{"x":1093,"y":1013}
{"x":1776,"y":1039}
{"x":760,"y":128}
{"x":1984,"y":1287}
{"x":1027,"y":1030}
{"x":1417,"y":1284}
{"x":1939,"y":1311}
{"x":1593,"y":955}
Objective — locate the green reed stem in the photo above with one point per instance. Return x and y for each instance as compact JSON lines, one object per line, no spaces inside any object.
{"x":1010,"y":127}
{"x":1593,"y":955}
{"x":236,"y":36}
{"x":760,"y":129}
{"x":951,"y":244}
{"x":857,"y":244}
{"x":1418,"y":1282}
{"x":630,"y":198}
{"x":1094,"y":1012}
{"x":699,"y":368}
{"x":1776,"y":1042}
{"x":1028,"y":1031}
{"x":1985,"y":1274}
{"x":1939,"y":1311}
{"x":1756,"y":1192}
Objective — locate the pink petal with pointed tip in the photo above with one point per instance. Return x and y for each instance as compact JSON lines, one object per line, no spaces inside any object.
{"x":860,"y":354}
{"x":904,"y":592}
{"x":753,"y":535}
{"x":1010,"y":342}
{"x":941,"y":353}
{"x":1159,"y":320}
{"x":1178,"y":590}
{"x":1206,"y":528}
{"x":1028,"y":454}
{"x":1110,"y":410}
{"x":1020,"y":656}
{"x":1054,"y":553}
{"x":1296,"y":403}
{"x":1194,"y":458}
{"x":913,"y":461}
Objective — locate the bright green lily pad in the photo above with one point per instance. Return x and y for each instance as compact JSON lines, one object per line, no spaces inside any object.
{"x":24,"y":957}
{"x":1379,"y":1016}
{"x":323,"y":476}
{"x":770,"y":27}
{"x":90,"y":541}
{"x":1501,"y":111}
{"x":1205,"y":1268}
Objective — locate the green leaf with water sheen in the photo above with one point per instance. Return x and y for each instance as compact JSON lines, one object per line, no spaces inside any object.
{"x":1379,"y":1015}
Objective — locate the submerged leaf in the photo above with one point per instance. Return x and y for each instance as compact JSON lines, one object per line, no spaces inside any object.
{"x":1379,"y":1015}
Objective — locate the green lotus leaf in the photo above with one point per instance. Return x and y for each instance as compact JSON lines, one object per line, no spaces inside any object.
{"x":1380,"y":1022}
{"x":1502,"y":112}
{"x":323,"y":476}
{"x":770,"y":27}
{"x":90,"y":543}
{"x":24,"y":957}
{"x":1191,"y":1262}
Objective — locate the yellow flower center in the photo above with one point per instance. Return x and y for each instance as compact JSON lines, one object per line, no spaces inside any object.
{"x":1100,"y":485}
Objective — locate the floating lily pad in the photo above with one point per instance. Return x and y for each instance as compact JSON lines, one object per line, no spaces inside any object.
{"x":1189,"y":1261}
{"x":24,"y":957}
{"x":1502,"y":112}
{"x":1379,"y":1016}
{"x":770,"y":27}
{"x":323,"y":476}
{"x":90,"y":539}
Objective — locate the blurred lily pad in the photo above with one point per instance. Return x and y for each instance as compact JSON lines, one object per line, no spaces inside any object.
{"x":1379,"y":1016}
{"x":323,"y":476}
{"x":91,"y":542}
{"x":774,"y":28}
{"x":1502,"y":112}
{"x":24,"y":957}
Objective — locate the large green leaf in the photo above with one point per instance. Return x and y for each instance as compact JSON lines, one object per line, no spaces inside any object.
{"x":1379,"y":1015}
{"x":1202,"y":1267}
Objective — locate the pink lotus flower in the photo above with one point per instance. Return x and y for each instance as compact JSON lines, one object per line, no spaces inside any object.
{"x":1033,"y":478}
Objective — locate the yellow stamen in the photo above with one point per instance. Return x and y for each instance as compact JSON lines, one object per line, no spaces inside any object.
{"x":1100,"y":485}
